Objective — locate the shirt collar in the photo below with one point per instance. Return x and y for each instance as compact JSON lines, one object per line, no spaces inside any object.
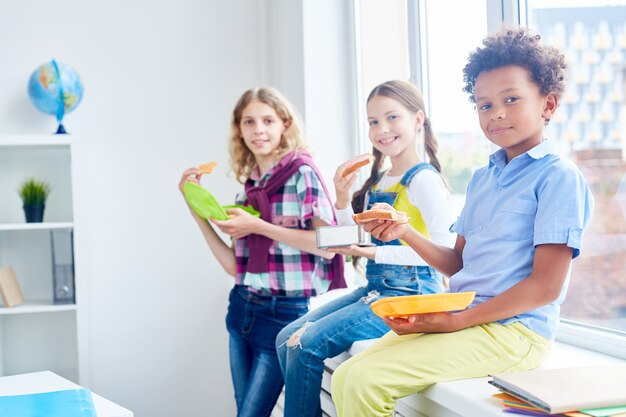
{"x":546,"y":147}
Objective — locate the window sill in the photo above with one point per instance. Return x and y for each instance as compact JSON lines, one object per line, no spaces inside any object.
{"x":575,"y":346}
{"x":468,"y":397}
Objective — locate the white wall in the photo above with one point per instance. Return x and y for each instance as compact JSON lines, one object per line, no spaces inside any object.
{"x":311,"y":60}
{"x":161,"y":77}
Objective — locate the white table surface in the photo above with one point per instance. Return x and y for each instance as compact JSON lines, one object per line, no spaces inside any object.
{"x":46,"y":381}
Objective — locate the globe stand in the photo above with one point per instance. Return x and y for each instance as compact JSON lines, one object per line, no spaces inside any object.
{"x":61,"y":130}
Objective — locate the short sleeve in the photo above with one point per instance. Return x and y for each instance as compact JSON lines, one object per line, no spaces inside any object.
{"x":564,"y":208}
{"x":458,"y":226}
{"x":312,"y":199}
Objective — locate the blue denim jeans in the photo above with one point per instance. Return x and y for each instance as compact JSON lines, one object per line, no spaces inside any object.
{"x":330,"y":329}
{"x":253,"y":321}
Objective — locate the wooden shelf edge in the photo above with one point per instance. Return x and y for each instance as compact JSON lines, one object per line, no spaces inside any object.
{"x":36,"y":307}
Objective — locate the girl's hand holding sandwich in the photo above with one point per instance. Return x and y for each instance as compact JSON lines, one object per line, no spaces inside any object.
{"x":386,"y":230}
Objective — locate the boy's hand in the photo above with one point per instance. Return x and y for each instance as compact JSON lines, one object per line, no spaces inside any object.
{"x":354,"y":250}
{"x":240,"y":224}
{"x":442,"y":322}
{"x":385,"y":230}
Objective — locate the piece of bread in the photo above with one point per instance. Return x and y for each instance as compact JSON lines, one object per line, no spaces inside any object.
{"x":369,"y":215}
{"x":359,"y":162}
{"x":208,"y":167}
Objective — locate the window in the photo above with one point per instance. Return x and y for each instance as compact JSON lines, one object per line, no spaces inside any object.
{"x":428,"y":43}
{"x":590,"y":128}
{"x":383,"y":54}
{"x":384,"y":42}
{"x":387,"y":36}
{"x":462,"y":146}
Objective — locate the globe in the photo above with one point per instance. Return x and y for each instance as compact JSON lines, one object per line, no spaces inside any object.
{"x":55,"y":88}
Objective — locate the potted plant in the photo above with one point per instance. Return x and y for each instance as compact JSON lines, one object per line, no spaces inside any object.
{"x":34,"y":194}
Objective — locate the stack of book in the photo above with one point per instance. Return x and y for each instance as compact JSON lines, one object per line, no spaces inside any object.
{"x":597,"y":391}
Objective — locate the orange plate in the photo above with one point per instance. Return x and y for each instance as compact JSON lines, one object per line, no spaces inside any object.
{"x":406,"y":305}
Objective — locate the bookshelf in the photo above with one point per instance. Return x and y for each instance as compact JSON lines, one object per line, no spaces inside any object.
{"x":39,"y":334}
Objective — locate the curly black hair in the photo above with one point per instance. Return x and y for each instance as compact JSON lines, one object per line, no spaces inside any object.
{"x":518,"y":46}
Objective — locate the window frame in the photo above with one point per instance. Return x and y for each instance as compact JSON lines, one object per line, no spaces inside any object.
{"x":357,"y":28}
{"x":418,"y":50}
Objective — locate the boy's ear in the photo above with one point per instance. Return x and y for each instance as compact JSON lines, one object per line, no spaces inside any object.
{"x":552,"y":102}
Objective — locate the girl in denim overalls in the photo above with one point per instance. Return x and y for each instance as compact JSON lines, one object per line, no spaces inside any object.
{"x":396,"y":118}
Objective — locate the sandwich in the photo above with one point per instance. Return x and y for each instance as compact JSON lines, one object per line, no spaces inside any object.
{"x":208,"y":167}
{"x":358,"y":162}
{"x":375,"y":214}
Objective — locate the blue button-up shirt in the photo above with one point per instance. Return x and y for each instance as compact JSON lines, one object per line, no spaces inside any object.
{"x":537,"y":198}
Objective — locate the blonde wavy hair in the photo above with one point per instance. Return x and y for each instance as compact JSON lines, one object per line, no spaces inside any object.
{"x":242,"y":161}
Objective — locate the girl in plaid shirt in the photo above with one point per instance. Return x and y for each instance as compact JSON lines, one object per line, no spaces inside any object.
{"x":274,"y":259}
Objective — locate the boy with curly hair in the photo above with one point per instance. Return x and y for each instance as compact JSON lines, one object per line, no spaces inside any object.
{"x":521,"y":226}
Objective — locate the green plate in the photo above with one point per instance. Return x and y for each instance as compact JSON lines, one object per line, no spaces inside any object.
{"x":206,"y":206}
{"x":249,"y":209}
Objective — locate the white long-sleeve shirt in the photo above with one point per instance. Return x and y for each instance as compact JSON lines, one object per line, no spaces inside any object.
{"x":427,"y":192}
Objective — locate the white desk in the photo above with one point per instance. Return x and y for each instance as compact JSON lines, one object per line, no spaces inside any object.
{"x":46,"y":381}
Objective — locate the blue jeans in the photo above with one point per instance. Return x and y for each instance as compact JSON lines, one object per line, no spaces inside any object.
{"x":253,"y":321}
{"x":329,"y":330}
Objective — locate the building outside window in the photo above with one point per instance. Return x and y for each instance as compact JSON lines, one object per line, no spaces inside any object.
{"x":590,"y":127}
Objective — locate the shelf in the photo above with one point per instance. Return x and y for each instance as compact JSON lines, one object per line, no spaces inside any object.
{"x":39,"y":334}
{"x":36,"y":226}
{"x":36,"y":140}
{"x":36,"y":307}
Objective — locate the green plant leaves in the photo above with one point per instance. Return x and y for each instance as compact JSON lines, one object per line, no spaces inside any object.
{"x":34,"y":192}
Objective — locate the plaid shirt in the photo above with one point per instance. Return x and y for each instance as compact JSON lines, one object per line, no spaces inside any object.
{"x":292,"y":272}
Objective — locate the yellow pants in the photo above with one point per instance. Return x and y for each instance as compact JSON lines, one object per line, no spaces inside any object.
{"x":368,"y":384}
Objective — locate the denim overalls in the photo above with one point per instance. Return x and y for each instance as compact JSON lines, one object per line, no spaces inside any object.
{"x":413,"y":279}
{"x":304,"y":344}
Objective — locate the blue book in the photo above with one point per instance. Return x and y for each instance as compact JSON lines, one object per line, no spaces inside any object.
{"x":67,"y":403}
